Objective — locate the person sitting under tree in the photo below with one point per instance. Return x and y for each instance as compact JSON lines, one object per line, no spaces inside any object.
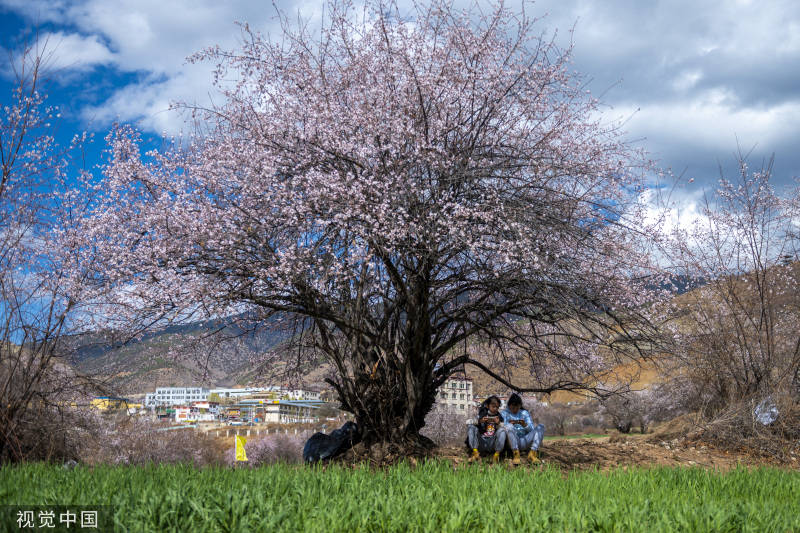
{"x":521,"y":432}
{"x":488,"y":433}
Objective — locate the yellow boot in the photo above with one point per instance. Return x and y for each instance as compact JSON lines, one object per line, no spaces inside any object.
{"x":515,"y":461}
{"x":496,"y":458}
{"x":533,"y":457}
{"x":474,"y":456}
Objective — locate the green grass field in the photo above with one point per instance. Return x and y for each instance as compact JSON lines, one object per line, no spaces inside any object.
{"x":431,"y":497}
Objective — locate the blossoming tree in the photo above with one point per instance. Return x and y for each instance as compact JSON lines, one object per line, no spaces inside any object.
{"x":420,"y":193}
{"x":41,"y":293}
{"x":736,"y":333}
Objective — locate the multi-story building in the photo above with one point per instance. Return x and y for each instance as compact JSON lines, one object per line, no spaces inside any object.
{"x":275,"y":393}
{"x":300,"y":394}
{"x":169,"y":396}
{"x":175,"y":396}
{"x":204,"y":411}
{"x":238,"y":392}
{"x":276,"y":411}
{"x":455,"y":395}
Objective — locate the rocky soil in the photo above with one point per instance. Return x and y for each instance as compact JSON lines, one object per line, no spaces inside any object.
{"x":605,"y":453}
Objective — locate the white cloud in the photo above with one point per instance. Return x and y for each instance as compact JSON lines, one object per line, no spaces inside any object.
{"x":687,"y":79}
{"x":149,"y":35}
{"x":675,"y":210}
{"x":74,"y":51}
{"x":663,"y":33}
{"x":147,"y":103}
{"x":712,"y":121}
{"x":147,"y":38}
{"x":151,"y":38}
{"x":701,"y":73}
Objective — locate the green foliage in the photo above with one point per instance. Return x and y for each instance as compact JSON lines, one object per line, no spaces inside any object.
{"x":431,"y":497}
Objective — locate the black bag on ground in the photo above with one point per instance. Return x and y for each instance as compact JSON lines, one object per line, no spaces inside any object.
{"x":321,"y":446}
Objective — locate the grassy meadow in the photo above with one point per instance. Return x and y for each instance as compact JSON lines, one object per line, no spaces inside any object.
{"x":430,"y":497}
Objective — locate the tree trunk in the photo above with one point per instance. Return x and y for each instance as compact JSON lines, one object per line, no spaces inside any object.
{"x":390,"y":404}
{"x":624,"y":426}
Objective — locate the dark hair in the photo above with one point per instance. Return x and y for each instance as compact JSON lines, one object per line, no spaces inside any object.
{"x":488,"y":400}
{"x":514,"y":399}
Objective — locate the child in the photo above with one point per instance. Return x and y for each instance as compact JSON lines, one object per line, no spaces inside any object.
{"x":522,"y":433}
{"x":488,"y":433}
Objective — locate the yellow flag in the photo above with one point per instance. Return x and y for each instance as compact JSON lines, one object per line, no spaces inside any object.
{"x":241,"y":455}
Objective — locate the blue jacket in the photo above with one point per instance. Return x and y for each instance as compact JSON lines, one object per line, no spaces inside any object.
{"x":523,"y":414}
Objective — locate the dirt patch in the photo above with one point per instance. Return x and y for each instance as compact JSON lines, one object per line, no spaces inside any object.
{"x":606,"y":453}
{"x":683,"y":427}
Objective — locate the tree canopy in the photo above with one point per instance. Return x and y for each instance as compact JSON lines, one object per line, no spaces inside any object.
{"x":412,"y":189}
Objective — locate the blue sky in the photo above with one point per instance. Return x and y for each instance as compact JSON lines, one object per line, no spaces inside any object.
{"x":688,"y":79}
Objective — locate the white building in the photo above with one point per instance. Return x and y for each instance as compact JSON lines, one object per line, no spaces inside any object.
{"x":455,"y":396}
{"x":300,"y":394}
{"x":204,"y":411}
{"x":175,"y":396}
{"x":271,"y":392}
{"x":182,"y":414}
{"x":169,"y":396}
{"x":239,"y":392}
{"x":278,"y":411}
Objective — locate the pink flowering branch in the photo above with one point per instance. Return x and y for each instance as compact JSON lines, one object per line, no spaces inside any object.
{"x":403,"y":188}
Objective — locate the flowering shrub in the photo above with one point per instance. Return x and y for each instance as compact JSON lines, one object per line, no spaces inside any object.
{"x":271,"y":449}
{"x":736,"y":333}
{"x":736,"y":341}
{"x":445,"y":428}
{"x":657,"y":403}
{"x":133,"y":441}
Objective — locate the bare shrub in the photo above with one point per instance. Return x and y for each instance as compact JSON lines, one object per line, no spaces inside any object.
{"x":626,"y":410}
{"x":737,"y":427}
{"x":641,"y":408}
{"x":568,"y":418}
{"x":586,"y":417}
{"x":52,"y":433}
{"x":590,"y":424}
{"x":555,"y":418}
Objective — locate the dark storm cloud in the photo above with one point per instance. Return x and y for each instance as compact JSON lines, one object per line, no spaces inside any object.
{"x":701,"y":76}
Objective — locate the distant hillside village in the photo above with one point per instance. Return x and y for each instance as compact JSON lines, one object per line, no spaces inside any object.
{"x":259,"y":405}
